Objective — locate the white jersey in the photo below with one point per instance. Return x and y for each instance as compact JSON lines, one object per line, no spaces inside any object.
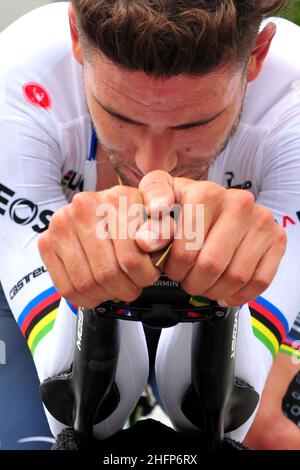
{"x":45,"y":134}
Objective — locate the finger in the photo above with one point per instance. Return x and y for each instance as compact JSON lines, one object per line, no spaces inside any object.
{"x":220,"y":245}
{"x":117,"y":264}
{"x":61,"y":279}
{"x":244,"y":262}
{"x":155,"y":234}
{"x":132,"y":260}
{"x":69,"y":250}
{"x":200,"y":205}
{"x":260,"y":281}
{"x":100,"y":251}
{"x":157,"y":192}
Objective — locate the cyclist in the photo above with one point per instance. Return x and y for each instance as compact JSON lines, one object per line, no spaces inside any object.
{"x":136,"y":92}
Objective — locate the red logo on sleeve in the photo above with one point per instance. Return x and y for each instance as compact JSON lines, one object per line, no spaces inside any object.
{"x":37,"y":95}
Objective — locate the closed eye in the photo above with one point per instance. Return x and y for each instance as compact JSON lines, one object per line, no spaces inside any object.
{"x":191,"y":125}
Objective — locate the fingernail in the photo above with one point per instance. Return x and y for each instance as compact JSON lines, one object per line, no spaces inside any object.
{"x":222,"y":303}
{"x":148,"y":236}
{"x":159,"y":205}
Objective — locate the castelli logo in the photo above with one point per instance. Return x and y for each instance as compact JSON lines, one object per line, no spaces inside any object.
{"x":37,"y":95}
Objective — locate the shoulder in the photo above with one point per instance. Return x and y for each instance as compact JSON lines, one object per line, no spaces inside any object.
{"x":272,"y":100}
{"x":37,"y":66}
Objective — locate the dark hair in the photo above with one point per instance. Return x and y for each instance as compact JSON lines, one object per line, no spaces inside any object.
{"x":171,"y":37}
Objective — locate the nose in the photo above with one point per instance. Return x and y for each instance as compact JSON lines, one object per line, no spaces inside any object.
{"x":156,"y":152}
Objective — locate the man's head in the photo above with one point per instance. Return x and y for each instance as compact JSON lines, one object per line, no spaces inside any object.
{"x":165,"y":80}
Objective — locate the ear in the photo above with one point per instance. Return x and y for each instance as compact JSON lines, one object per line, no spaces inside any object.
{"x":76,"y":45}
{"x":260,"y":51}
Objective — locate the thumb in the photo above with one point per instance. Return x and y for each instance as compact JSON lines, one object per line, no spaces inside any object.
{"x":157,"y":191}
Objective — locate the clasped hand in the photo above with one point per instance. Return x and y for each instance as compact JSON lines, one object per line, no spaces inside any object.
{"x":234,"y":256}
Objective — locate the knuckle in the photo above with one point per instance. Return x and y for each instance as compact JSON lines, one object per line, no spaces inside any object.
{"x":43,"y":243}
{"x":260,"y":283}
{"x":58,"y":221}
{"x":265,"y":219}
{"x":67,"y":292}
{"x":282,"y":238}
{"x":107,"y":198}
{"x":130,"y":261}
{"x":241,"y":199}
{"x":210,"y":264}
{"x":83,"y":286}
{"x":114,"y":194}
{"x":105,"y":275}
{"x":80,"y":202}
{"x":84,"y":206}
{"x":214,"y":191}
{"x":237,"y":277}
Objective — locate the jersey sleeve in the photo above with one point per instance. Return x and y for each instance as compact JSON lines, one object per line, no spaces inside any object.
{"x":31,"y":163}
{"x":30,"y":191}
{"x":274,"y":312}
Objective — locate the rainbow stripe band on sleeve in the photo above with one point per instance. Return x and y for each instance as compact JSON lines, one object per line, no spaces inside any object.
{"x":38,"y":317}
{"x":269,"y":324}
{"x":73,"y":307}
{"x":291,"y":346}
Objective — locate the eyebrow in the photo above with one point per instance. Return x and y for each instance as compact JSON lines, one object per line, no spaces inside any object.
{"x":189,"y":125}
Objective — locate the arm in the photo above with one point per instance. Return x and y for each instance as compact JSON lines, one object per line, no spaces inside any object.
{"x":273,"y":312}
{"x":30,"y":169}
{"x":279,"y":299}
{"x":276,"y":309}
{"x":30,"y":192}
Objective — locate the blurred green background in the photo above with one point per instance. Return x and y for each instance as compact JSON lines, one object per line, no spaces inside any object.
{"x":292,"y":11}
{"x":12,"y":9}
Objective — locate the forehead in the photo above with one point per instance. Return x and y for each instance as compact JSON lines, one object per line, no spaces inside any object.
{"x":216,"y":88}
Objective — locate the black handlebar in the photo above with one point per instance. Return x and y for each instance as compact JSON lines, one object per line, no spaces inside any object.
{"x":88,"y":394}
{"x":163,"y":305}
